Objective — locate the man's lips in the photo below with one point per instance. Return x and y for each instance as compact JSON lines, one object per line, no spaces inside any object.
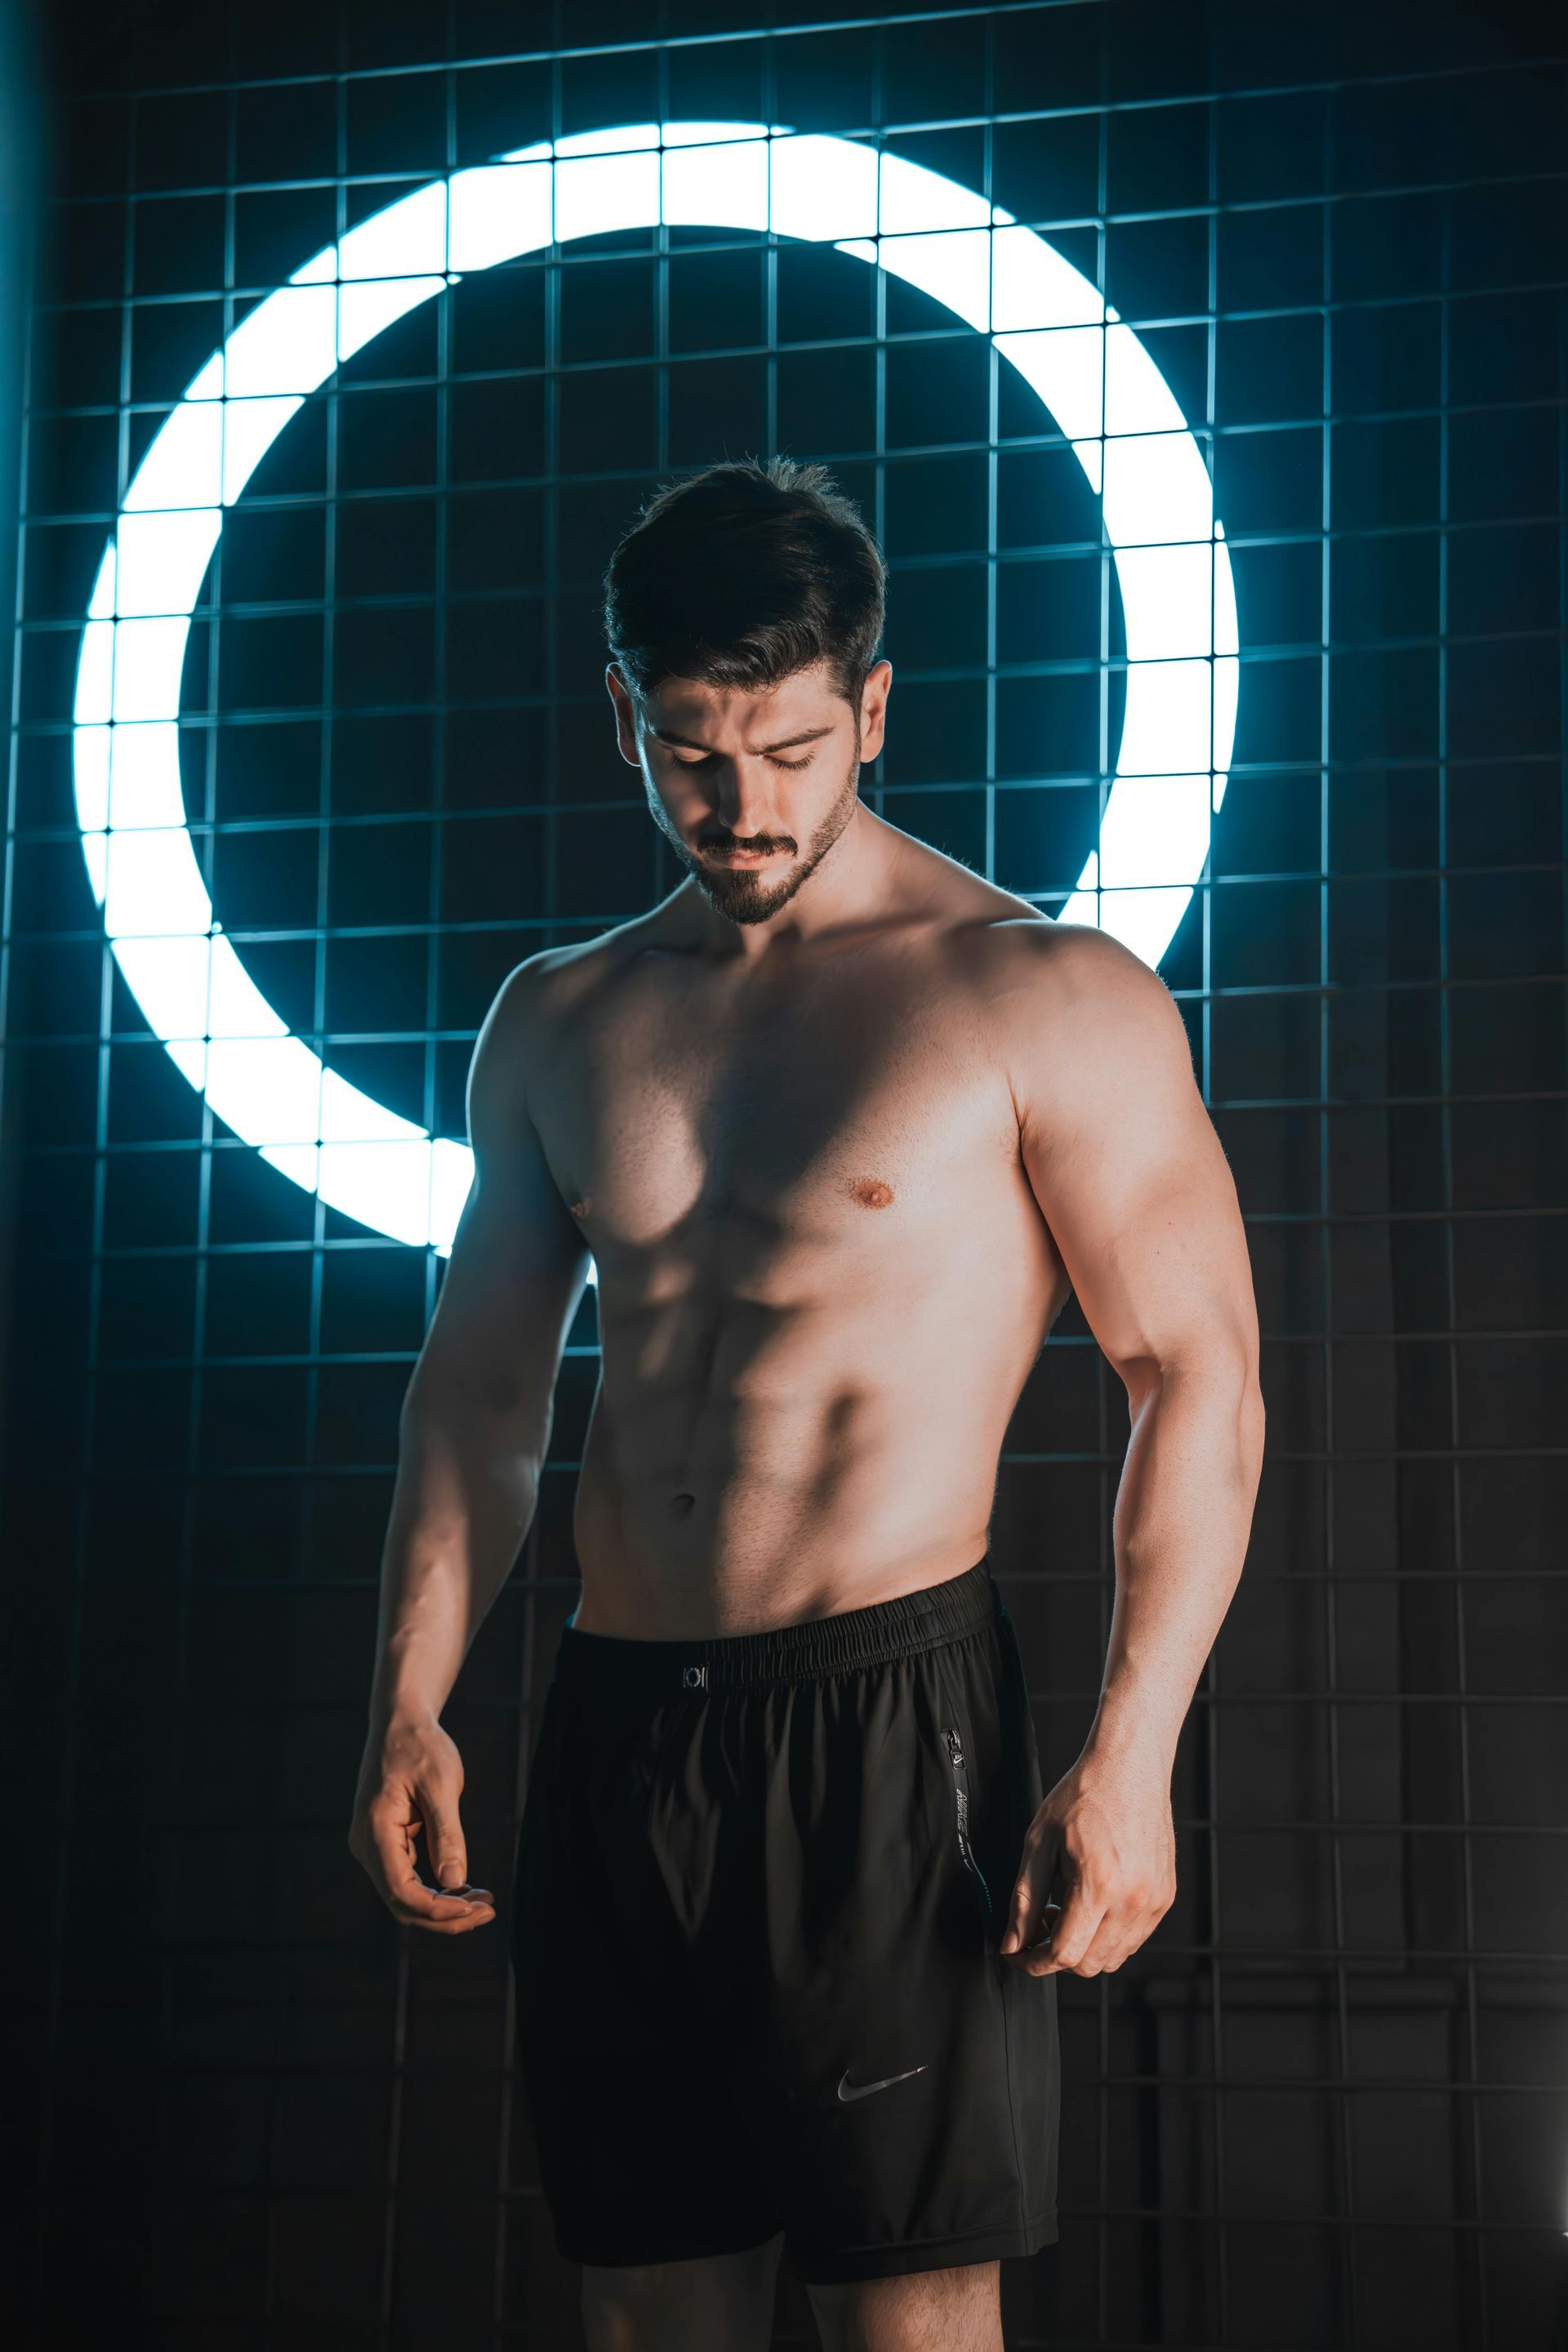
{"x":740,"y":857}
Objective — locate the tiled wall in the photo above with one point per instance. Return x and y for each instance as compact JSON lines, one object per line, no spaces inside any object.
{"x":1326,"y":2106}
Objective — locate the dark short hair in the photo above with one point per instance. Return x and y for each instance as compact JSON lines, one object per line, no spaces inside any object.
{"x":743,"y":575}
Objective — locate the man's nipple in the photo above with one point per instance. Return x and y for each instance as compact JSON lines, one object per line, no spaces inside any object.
{"x":871,"y":1193}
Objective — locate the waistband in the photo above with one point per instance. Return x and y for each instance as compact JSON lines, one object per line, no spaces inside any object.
{"x":617,"y":1665}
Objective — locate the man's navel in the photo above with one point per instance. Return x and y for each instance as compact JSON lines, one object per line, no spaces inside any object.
{"x":871,"y":1193}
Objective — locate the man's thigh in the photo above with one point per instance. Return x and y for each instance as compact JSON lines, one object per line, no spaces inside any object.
{"x":720,"y":2303}
{"x":925,"y":2311}
{"x":896,"y":2075}
{"x":645,"y":2160}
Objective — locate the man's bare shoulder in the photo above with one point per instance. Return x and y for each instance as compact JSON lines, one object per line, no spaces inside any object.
{"x":534,"y":1007}
{"x":1025,"y":954}
{"x":1072,"y":1002}
{"x":548,"y":986}
{"x":1073,"y":962}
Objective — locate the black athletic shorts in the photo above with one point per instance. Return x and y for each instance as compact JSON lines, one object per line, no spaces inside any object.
{"x":760,"y":1887}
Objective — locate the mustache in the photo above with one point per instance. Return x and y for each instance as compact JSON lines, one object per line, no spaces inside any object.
{"x":756,"y":840}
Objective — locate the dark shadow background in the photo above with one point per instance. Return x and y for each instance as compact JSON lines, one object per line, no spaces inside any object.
{"x":1326,"y":2106}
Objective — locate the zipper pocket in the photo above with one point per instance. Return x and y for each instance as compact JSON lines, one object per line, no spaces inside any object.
{"x":959,"y":1768}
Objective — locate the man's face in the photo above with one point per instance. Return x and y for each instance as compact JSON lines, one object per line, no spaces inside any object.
{"x":753,"y":789}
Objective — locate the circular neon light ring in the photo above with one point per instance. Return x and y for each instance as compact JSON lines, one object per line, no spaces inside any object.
{"x":1044,"y":317}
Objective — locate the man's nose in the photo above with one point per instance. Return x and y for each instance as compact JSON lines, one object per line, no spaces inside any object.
{"x":744,"y":797}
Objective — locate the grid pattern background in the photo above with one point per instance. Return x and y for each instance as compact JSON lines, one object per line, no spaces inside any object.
{"x":1326,"y":2106}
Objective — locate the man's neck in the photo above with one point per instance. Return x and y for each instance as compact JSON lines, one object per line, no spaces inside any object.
{"x":855,"y":884}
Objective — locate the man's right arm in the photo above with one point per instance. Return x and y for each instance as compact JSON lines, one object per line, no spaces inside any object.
{"x":472,"y":1437}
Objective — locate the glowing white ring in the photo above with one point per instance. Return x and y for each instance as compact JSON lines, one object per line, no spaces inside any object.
{"x":1043,"y":316}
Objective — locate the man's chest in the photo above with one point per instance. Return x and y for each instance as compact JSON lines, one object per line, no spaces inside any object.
{"x":781,"y":1116}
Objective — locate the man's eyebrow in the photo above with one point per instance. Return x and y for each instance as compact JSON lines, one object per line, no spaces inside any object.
{"x":812,"y":735}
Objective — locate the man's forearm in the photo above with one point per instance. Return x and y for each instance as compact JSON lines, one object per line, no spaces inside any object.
{"x":1183,"y":1512}
{"x":464,"y":1501}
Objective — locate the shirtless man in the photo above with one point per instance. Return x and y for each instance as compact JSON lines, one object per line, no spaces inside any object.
{"x":841,"y":1124}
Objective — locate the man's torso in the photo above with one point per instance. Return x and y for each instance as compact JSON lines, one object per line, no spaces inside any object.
{"x":822,"y":1273}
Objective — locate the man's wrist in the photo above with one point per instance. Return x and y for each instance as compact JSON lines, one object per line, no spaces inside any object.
{"x":404,"y":1706}
{"x":1132,"y":1734}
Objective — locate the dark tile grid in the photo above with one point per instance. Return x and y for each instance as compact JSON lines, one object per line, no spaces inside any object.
{"x":1325,"y":2108}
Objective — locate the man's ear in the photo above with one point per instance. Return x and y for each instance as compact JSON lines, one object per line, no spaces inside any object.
{"x":874,"y":710}
{"x":626,"y":715}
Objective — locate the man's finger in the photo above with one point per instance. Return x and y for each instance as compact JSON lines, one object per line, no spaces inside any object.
{"x":402,"y":1887}
{"x":1144,"y":1926}
{"x":1030,"y":1927}
{"x":1027,"y":1909}
{"x":444,"y":1837}
{"x":419,"y":1905}
{"x":405,"y":1894}
{"x":1022,"y":1913}
{"x":426,"y":1907}
{"x":392,"y":1844}
{"x":1123,"y":1929}
{"x":1072,"y":1936}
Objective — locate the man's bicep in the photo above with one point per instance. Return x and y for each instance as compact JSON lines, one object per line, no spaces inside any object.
{"x":1131,"y":1176}
{"x":519,"y":1263}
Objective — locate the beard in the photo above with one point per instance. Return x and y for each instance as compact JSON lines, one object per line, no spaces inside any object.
{"x":743,"y":893}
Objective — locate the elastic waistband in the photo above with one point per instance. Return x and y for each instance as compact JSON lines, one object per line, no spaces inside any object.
{"x":617,"y":1665}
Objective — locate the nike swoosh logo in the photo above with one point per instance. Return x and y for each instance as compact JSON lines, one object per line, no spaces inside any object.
{"x":864,"y":2090}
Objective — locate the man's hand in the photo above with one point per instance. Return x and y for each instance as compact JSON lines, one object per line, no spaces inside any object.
{"x":411,"y":1779}
{"x":1107,"y":1832}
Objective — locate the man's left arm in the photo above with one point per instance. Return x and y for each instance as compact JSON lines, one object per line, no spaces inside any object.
{"x":1132,"y":1182}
